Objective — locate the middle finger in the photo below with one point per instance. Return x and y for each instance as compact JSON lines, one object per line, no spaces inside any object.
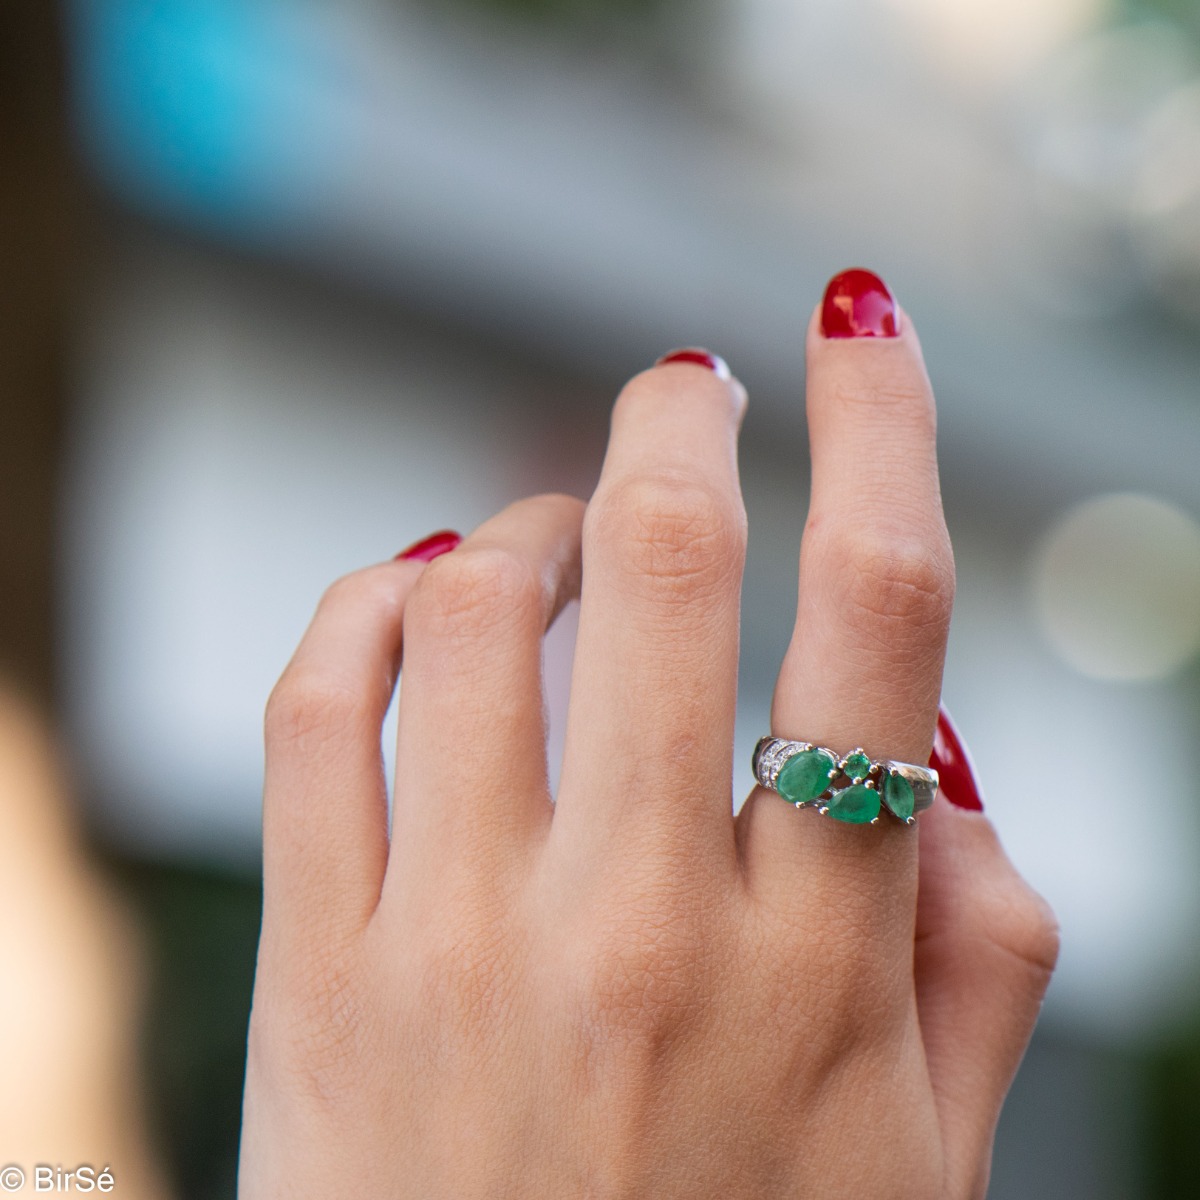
{"x":650,"y":724}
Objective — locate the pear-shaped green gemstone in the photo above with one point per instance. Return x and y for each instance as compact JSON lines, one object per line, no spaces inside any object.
{"x":898,"y":796}
{"x":805,"y":775}
{"x":856,"y":805}
{"x":857,"y":765}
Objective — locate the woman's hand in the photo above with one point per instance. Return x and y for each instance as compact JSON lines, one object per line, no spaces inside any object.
{"x":631,"y":993}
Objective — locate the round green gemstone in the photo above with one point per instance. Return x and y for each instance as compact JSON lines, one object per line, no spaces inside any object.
{"x":856,"y":805}
{"x":857,"y":765}
{"x":898,"y":796}
{"x":805,"y":775}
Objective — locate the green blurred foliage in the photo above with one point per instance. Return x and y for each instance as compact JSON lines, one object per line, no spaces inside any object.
{"x":1173,"y":1154}
{"x":1184,"y":13}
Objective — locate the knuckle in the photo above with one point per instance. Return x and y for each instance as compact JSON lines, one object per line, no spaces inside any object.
{"x":855,"y":976}
{"x":313,"y":700}
{"x":860,"y":981}
{"x":681,"y":535}
{"x":366,"y":595}
{"x":309,"y":704}
{"x":909,"y":401}
{"x":368,"y":586}
{"x":461,"y":982}
{"x":1020,"y":923}
{"x":645,"y":972}
{"x":472,"y":592}
{"x":851,"y":996}
{"x":901,"y":581}
{"x":311,"y":1034}
{"x":560,"y":504}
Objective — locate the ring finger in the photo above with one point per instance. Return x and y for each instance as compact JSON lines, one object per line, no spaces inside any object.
{"x":864,"y":666}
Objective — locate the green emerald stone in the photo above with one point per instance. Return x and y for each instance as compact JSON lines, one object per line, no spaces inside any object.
{"x":857,"y":765}
{"x":805,"y":775}
{"x":898,"y":796}
{"x":856,"y":805}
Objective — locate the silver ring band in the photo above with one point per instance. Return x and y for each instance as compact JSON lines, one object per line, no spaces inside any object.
{"x":853,"y":788}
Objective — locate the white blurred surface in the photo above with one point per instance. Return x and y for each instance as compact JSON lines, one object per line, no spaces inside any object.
{"x":1087,"y":784}
{"x":231,"y":463}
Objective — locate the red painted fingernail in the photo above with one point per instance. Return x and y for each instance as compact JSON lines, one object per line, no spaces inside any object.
{"x":427,"y":549}
{"x":701,"y":358}
{"x":956,"y":772}
{"x":858,"y":304}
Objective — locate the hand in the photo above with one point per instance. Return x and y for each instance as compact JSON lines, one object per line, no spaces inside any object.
{"x":631,"y":993}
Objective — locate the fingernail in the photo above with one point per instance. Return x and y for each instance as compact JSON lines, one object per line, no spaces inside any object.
{"x":858,"y":304}
{"x":701,"y":358}
{"x":952,"y":762}
{"x":427,"y":549}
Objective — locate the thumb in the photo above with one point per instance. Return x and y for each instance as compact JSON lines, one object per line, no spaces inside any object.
{"x":986,"y":944}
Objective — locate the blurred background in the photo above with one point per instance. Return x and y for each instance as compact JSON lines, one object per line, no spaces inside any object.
{"x":287,"y":284}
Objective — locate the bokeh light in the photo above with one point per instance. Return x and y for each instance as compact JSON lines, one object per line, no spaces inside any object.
{"x":1117,"y":581}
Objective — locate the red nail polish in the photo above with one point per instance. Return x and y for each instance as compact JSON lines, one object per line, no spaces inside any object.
{"x":427,"y":549}
{"x":956,"y":773}
{"x":858,"y":304}
{"x":701,"y":358}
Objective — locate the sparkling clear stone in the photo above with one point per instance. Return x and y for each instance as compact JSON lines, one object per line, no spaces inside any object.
{"x":770,"y":760}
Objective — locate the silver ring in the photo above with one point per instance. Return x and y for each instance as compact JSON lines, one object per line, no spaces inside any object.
{"x":853,"y":788}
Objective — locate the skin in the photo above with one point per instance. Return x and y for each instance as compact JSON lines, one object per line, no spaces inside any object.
{"x":632,"y":993}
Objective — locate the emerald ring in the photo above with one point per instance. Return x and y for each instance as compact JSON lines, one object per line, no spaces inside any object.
{"x":853,"y":788}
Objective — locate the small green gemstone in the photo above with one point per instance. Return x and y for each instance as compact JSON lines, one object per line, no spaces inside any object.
{"x":898,"y":796}
{"x":857,"y":765}
{"x":856,"y":805}
{"x":805,"y":775}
